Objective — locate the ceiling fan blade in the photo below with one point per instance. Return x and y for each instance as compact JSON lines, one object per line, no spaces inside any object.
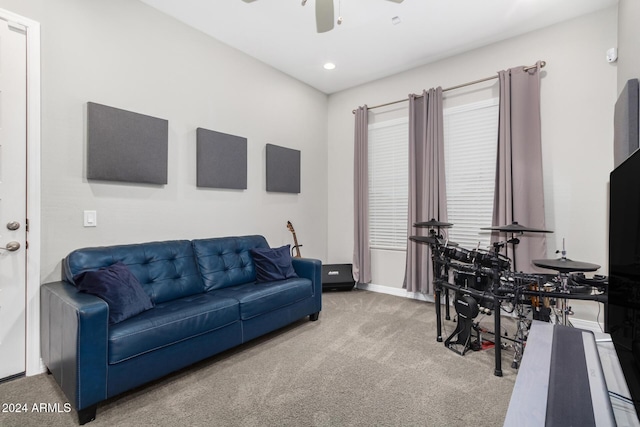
{"x":324,"y":15}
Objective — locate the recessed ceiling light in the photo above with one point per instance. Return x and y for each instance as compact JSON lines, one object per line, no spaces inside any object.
{"x":329,"y":66}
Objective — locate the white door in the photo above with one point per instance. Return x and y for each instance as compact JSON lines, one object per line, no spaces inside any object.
{"x":13,"y":197}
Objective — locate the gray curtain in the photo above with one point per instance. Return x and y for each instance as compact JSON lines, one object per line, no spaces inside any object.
{"x":519,"y":192}
{"x":361,"y":249}
{"x":427,"y":194}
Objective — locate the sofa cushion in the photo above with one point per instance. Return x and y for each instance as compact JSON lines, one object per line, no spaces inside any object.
{"x":166,"y":270}
{"x":226,"y":261}
{"x":262,"y":298}
{"x":273,"y":264}
{"x":118,"y":287}
{"x":170,"y":322}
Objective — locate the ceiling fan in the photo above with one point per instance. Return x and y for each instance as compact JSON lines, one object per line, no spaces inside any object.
{"x":324,"y":13}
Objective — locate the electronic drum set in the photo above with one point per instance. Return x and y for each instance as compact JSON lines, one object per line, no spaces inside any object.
{"x":483,"y":281}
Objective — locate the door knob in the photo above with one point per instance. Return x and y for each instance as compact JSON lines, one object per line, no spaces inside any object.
{"x":11,"y":246}
{"x":13,"y":225}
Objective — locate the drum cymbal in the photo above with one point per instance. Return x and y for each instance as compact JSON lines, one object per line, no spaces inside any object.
{"x":433,"y":223}
{"x":514,"y":227}
{"x":565,"y":265}
{"x":431,"y":240}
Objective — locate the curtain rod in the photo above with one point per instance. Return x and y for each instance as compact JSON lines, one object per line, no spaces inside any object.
{"x":542,"y":64}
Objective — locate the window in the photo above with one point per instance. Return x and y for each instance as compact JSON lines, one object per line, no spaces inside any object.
{"x":470,"y":139}
{"x":388,"y":183}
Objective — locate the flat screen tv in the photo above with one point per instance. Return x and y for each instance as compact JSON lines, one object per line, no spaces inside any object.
{"x":622,"y":318}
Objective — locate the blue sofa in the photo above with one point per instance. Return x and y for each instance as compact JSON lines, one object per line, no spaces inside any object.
{"x":206,"y":300}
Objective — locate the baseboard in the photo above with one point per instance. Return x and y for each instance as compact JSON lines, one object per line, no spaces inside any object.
{"x":395,"y":291}
{"x":43,"y":367}
{"x":413,"y":295}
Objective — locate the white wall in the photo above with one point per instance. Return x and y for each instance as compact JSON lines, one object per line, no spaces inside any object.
{"x":578,"y":92}
{"x":125,"y":54}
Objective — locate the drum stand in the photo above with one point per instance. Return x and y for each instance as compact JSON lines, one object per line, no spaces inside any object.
{"x":496,"y":315}
{"x":515,"y":229}
{"x":440,"y":273}
{"x":439,"y":268}
{"x":565,"y":310}
{"x":519,"y":338}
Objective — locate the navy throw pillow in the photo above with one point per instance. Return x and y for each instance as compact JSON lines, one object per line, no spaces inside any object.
{"x":272,"y":264}
{"x":118,"y":287}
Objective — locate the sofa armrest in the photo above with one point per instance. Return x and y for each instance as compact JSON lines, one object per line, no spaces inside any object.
{"x":311,"y":269}
{"x":74,"y":339}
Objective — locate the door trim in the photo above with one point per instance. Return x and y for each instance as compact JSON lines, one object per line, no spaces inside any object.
{"x":34,"y":363}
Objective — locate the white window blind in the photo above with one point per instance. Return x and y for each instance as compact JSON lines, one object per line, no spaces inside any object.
{"x":388,"y":184}
{"x":470,"y":138}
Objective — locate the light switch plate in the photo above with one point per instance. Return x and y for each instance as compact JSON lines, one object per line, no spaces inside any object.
{"x":90,"y":219}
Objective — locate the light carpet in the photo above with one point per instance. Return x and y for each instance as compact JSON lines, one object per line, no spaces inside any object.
{"x":371,"y":360}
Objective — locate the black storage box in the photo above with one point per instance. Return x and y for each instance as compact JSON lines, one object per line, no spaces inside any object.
{"x":337,"y":277}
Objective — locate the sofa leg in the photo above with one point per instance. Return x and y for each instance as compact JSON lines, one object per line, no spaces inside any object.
{"x":87,"y":414}
{"x":313,"y":317}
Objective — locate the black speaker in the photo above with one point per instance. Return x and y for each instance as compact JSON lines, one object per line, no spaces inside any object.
{"x":626,"y":122}
{"x":337,"y":277}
